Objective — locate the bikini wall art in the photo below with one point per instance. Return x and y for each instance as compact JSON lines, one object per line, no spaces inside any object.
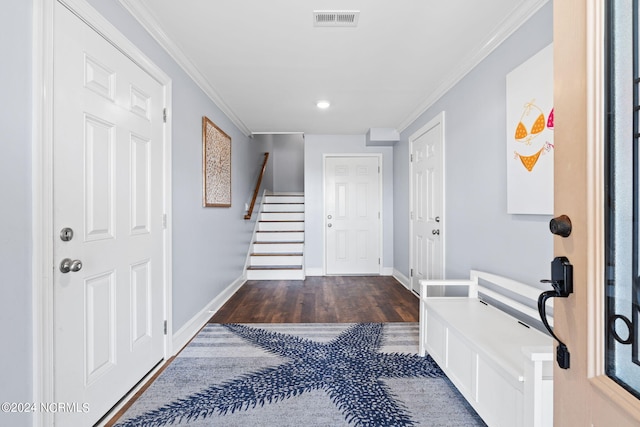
{"x":530,"y":141}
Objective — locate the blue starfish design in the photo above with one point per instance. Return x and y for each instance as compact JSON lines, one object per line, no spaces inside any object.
{"x":349,"y":369}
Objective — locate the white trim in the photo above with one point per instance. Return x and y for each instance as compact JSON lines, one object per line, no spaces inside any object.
{"x":42,"y":278}
{"x":168,"y":214}
{"x":314,"y":271}
{"x":508,"y":26}
{"x":380,"y":205}
{"x":386,"y":271}
{"x":149,"y":22}
{"x":404,"y":280}
{"x":190,"y":329}
{"x":42,"y":172}
{"x":439,"y":118}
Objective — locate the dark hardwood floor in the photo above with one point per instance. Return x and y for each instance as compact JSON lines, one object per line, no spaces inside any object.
{"x":328,"y":299}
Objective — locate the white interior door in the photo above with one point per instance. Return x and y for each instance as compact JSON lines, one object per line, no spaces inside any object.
{"x":108,"y":189}
{"x":352,"y":215}
{"x":427,"y":212}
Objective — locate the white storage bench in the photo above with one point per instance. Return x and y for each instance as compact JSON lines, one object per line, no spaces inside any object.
{"x":503,"y":367}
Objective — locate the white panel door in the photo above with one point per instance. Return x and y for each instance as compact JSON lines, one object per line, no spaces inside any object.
{"x":352,"y":215}
{"x":108,"y":189}
{"x":427,"y":258}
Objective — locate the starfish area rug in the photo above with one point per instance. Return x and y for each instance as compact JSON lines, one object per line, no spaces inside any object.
{"x":366,"y":374}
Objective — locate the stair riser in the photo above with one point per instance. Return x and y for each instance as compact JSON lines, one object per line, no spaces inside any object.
{"x":282,"y":208}
{"x":280,"y":237}
{"x":282,"y":216}
{"x":274,"y":248}
{"x":257,"y":261}
{"x":281,"y":226}
{"x":284,"y":199}
{"x":275,"y":275}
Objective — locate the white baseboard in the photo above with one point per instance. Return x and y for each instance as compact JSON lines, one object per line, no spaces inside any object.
{"x":314,"y":271}
{"x":318,"y":271}
{"x":402,"y":279}
{"x":191,"y":328}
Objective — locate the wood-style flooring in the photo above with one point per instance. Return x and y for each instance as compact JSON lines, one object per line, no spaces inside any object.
{"x":327,"y":299}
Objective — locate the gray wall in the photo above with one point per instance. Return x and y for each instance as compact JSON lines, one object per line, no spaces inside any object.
{"x":285,"y":170}
{"x":480,"y":234}
{"x":15,"y":208}
{"x":314,"y":148}
{"x":288,"y":163}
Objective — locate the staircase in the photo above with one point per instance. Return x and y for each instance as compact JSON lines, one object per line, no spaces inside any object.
{"x":277,"y":252}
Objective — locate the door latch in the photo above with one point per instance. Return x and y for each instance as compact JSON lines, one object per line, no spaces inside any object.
{"x":67,"y":265}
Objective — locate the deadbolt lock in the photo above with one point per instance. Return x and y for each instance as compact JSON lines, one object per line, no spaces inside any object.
{"x":66,"y":234}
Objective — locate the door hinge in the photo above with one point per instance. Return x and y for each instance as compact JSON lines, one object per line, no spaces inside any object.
{"x":165,"y":327}
{"x":378,"y":169}
{"x":378,"y":261}
{"x":411,"y":272}
{"x":411,"y":157}
{"x":164,"y":221}
{"x":378,"y":215}
{"x":411,"y":214}
{"x":164,"y":115}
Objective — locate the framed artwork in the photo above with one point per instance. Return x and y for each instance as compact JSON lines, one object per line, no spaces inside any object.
{"x":530,"y":143}
{"x":216,"y":165}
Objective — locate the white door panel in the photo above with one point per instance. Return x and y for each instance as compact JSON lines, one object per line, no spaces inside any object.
{"x":427,"y":210}
{"x":352,"y":215}
{"x":108,"y":173}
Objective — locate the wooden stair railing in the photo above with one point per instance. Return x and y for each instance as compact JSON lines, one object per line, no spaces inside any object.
{"x":257,"y":190}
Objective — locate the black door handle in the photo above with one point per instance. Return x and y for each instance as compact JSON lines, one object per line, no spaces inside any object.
{"x":562,"y":282}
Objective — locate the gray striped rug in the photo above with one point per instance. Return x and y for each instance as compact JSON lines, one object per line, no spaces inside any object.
{"x":302,"y":375}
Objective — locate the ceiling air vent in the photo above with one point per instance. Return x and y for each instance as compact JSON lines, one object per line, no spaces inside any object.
{"x":335,"y":18}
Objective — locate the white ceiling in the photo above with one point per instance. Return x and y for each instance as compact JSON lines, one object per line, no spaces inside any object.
{"x":265,"y":64}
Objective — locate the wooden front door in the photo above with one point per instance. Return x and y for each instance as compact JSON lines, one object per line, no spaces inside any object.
{"x":584,"y":394}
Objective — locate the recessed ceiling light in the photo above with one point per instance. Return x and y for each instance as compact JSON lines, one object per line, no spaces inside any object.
{"x":323,"y":104}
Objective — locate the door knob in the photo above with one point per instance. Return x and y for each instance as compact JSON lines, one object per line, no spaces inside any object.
{"x":329,"y":225}
{"x":561,"y":226}
{"x":434,"y":232}
{"x":68,"y":265}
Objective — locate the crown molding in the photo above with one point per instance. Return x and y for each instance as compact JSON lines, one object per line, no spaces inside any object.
{"x":150,"y":23}
{"x":508,"y":26}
